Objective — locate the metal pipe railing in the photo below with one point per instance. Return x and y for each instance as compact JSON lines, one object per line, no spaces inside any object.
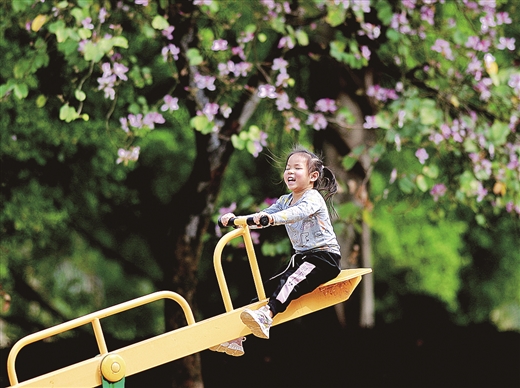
{"x":241,"y":231}
{"x":94,"y":319}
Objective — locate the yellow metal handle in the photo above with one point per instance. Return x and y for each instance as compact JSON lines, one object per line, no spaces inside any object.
{"x":243,"y":230}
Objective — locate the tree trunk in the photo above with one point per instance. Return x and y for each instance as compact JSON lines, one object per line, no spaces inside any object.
{"x":339,"y":143}
{"x":185,"y":220}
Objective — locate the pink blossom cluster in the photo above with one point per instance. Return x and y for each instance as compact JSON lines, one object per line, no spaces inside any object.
{"x":139,"y":121}
{"x":401,"y":23}
{"x":381,"y":94}
{"x":204,"y":81}
{"x":126,"y":156}
{"x":110,"y":75}
{"x":442,"y":46}
{"x":240,"y":69}
{"x":212,"y":109}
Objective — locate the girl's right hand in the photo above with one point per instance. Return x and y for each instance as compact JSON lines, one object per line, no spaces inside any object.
{"x":226,"y":217}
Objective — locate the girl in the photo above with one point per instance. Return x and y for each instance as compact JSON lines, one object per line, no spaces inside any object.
{"x":305,"y":214}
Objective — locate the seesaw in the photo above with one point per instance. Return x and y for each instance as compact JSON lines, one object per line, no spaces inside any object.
{"x":110,"y":368}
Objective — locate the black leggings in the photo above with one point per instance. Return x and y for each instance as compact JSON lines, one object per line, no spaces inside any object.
{"x":304,"y":274}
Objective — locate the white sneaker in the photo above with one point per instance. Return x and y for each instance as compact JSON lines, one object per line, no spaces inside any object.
{"x":231,"y":348}
{"x":258,"y":321}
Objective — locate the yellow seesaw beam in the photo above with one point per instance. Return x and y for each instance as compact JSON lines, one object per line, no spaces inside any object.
{"x":193,"y":338}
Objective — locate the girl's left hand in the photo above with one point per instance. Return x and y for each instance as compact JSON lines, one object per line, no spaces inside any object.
{"x":257,"y":216}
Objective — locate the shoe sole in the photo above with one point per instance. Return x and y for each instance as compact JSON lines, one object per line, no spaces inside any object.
{"x":227,"y":350}
{"x":250,"y":322}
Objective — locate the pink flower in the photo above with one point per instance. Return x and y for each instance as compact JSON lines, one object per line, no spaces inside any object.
{"x":152,"y":118}
{"x":204,"y":82}
{"x":370,"y":30}
{"x":280,"y":64}
{"x":370,"y":122}
{"x":127,"y":155}
{"x":282,"y":101}
{"x":287,"y":42}
{"x":506,"y":43}
{"x":293,"y":123}
{"x":300,"y":103}
{"x":210,"y":110}
{"x":481,"y":192}
{"x":102,"y":15}
{"x":170,"y":103}
{"x":427,"y":14}
{"x":317,"y":121}
{"x":365,"y":52}
{"x":225,"y":110}
{"x":393,"y":176}
{"x":168,"y":32}
{"x":87,"y":23}
{"x":443,"y":47}
{"x":326,"y":105}
{"x":422,"y":155}
{"x":267,"y":91}
{"x":136,"y":121}
{"x":120,"y":70}
{"x":124,"y":124}
{"x":219,"y":45}
{"x":437,"y":191}
{"x":503,"y":18}
{"x":281,"y":79}
{"x":170,"y":49}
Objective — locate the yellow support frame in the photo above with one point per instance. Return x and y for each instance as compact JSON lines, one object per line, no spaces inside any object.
{"x":193,"y":338}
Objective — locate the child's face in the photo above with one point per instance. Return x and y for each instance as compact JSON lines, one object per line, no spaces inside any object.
{"x":296,"y":174}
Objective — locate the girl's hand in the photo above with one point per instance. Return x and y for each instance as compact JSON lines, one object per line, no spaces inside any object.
{"x":257,"y":216}
{"x":225,"y":218}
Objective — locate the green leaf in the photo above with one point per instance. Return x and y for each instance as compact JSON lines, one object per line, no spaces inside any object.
{"x":68,"y":113}
{"x":80,"y":95}
{"x":199,"y":123}
{"x":406,"y":185}
{"x":376,"y":151}
{"x":335,"y":16}
{"x":160,"y":23}
{"x":250,"y":146}
{"x":393,"y":35}
{"x":431,"y":171}
{"x":120,"y":41}
{"x":429,"y":113}
{"x":92,"y":52}
{"x":302,"y":38}
{"x":4,"y":89}
{"x":337,"y":49}
{"x":21,"y":91}
{"x":194,"y":57}
{"x":78,"y":13}
{"x":348,"y":162}
{"x":21,"y":5}
{"x":357,"y":151}
{"x":41,"y":101}
{"x":384,"y":12}
{"x":84,"y":33}
{"x":238,"y":143}
{"x":421,"y":183}
{"x":498,"y":133}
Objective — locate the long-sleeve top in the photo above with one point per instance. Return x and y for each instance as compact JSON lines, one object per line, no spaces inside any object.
{"x":307,"y":222}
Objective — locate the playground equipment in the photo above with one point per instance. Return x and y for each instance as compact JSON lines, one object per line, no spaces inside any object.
{"x":109,"y":368}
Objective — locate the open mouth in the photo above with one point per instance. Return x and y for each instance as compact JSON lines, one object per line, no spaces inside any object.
{"x":290,"y":179}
